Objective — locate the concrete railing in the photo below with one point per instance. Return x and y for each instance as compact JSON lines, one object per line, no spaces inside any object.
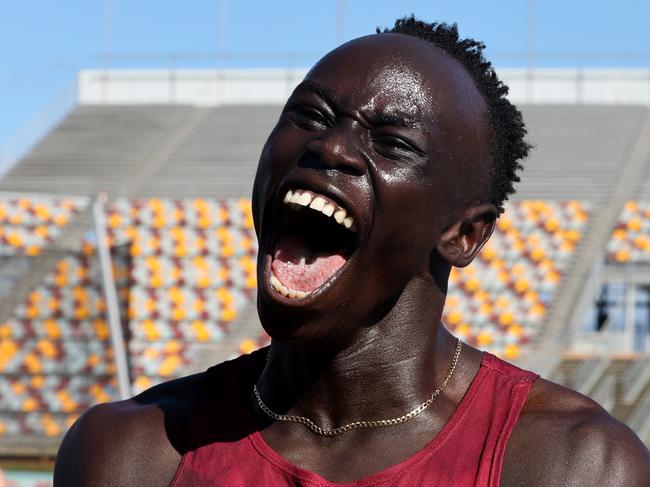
{"x":213,"y":87}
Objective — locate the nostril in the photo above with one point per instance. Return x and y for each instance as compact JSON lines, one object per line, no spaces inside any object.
{"x":310,"y":160}
{"x":334,"y":152}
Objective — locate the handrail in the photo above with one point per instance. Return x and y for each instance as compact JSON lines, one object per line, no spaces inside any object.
{"x":110,"y":294}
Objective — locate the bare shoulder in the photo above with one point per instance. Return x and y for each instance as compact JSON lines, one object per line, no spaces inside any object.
{"x":564,"y":438}
{"x":138,"y":441}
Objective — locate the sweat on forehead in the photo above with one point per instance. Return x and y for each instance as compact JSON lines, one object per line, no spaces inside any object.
{"x":401,"y":70}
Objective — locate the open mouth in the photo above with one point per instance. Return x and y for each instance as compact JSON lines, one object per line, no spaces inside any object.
{"x":317,"y":237}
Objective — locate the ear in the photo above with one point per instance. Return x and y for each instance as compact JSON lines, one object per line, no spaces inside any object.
{"x":461,"y":241}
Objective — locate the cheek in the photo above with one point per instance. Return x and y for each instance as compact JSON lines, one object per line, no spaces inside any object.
{"x":412,"y":207}
{"x":279,"y":155}
{"x":407,"y":220}
{"x":283,"y":149}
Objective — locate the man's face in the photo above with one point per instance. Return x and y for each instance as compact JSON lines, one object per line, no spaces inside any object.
{"x":375,"y":154}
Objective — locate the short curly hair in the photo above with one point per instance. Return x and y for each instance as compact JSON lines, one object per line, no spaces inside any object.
{"x":507,"y":125}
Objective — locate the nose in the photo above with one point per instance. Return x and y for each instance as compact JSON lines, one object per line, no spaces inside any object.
{"x":339,"y":148}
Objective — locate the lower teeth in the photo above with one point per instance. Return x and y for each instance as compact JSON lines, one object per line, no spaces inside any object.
{"x":285,"y":291}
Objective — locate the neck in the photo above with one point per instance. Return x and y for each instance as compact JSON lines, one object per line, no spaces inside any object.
{"x":385,"y":371}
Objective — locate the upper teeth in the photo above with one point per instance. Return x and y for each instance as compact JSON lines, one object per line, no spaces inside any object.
{"x":320,"y":203}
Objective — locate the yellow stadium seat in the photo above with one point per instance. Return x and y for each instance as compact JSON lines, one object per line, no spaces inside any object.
{"x":522,"y":285}
{"x":169,"y":366}
{"x":228,"y":314}
{"x":178,"y":313}
{"x":150,"y":330}
{"x":52,"y":329}
{"x":101,"y":329}
{"x":455,"y":317}
{"x":29,"y":405}
{"x":201,"y":333}
{"x":172,"y":346}
{"x":142,"y":382}
{"x":463,"y":330}
{"x":506,"y":318}
{"x":484,"y":338}
{"x":631,"y":206}
{"x":634,"y":224}
{"x":5,"y":333}
{"x":32,"y":363}
{"x":46,"y":348}
{"x":472,"y":285}
{"x":18,"y":388}
{"x":247,"y":346}
{"x":114,"y":220}
{"x":511,"y":351}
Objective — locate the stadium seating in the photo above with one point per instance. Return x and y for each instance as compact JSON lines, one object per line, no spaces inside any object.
{"x":27,"y":223}
{"x":190,"y":274}
{"x":193,"y":272}
{"x":630,"y":240}
{"x":55,"y":360}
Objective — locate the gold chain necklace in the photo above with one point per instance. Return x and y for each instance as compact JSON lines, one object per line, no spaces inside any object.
{"x":362,"y":424}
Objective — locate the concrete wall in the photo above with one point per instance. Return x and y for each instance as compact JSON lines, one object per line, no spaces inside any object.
{"x":212,"y":87}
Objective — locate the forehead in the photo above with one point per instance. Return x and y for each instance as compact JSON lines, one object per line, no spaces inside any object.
{"x":399,"y":74}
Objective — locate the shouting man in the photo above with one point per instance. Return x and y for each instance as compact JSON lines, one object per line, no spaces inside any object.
{"x":390,"y":164}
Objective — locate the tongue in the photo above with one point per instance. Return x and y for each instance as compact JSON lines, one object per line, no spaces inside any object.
{"x":299,"y":268}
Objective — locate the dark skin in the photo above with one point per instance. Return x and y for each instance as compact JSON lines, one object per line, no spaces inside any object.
{"x":394,"y":129}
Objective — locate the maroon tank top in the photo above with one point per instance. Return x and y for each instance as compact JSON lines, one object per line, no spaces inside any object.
{"x":226,"y":449}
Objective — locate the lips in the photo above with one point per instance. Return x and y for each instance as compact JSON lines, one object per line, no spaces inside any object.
{"x":317,"y":237}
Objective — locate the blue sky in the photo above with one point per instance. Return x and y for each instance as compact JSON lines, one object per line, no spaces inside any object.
{"x":45,"y":43}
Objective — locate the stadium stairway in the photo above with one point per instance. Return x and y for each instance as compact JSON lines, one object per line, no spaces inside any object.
{"x":219,"y":158}
{"x":165,"y":151}
{"x":99,"y":149}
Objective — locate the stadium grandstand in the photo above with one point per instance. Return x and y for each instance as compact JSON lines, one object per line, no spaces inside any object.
{"x":127,"y":248}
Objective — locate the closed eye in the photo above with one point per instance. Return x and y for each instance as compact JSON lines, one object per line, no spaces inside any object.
{"x":392,"y":147}
{"x":308,"y":117}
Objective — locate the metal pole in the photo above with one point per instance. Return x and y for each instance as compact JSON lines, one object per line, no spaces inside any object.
{"x":110,"y":296}
{"x":630,"y":308}
{"x":222,"y":47}
{"x":223,"y":26}
{"x":530,"y":81}
{"x":580,"y":79}
{"x":341,"y":6}
{"x":108,"y":42}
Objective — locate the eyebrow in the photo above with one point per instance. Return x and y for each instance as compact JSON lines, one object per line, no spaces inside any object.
{"x":395,"y":120}
{"x":321,"y":91}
